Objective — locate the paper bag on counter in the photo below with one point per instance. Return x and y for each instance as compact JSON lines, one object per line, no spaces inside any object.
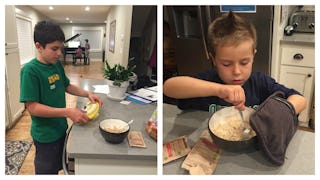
{"x":135,"y":139}
{"x":204,"y":156}
{"x":175,"y":149}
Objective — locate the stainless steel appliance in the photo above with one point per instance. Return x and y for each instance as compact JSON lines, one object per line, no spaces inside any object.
{"x":301,"y":21}
{"x":189,"y":25}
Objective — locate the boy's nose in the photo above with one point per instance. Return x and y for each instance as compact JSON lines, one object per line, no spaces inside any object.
{"x":59,"y":52}
{"x":236,"y":69}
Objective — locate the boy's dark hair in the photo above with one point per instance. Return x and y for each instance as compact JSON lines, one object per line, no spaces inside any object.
{"x":47,"y":32}
{"x":230,"y":29}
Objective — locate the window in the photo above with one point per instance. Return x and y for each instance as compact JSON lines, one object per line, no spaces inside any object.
{"x":25,"y":39}
{"x":93,"y":34}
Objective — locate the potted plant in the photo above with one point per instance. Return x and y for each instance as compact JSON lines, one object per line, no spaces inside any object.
{"x":117,"y":79}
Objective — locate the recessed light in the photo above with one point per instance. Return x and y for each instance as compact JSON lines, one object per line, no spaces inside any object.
{"x":70,"y":21}
{"x":50,"y":8}
{"x":67,"y":19}
{"x":87,"y":8}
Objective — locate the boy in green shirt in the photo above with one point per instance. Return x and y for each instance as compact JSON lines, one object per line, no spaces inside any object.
{"x":43,"y":87}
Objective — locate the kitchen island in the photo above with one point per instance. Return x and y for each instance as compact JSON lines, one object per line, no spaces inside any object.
{"x":300,"y":155}
{"x":93,"y":155}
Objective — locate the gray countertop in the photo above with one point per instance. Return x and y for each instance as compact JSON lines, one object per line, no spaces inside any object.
{"x":304,"y":38}
{"x":85,"y":141}
{"x":300,"y":155}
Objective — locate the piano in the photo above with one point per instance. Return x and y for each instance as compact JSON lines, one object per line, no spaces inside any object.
{"x":71,"y":50}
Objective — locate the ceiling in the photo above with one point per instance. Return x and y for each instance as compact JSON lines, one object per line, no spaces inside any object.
{"x":76,"y":13}
{"x":97,"y":14}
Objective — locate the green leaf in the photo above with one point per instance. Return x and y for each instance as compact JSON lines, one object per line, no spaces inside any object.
{"x":117,"y":73}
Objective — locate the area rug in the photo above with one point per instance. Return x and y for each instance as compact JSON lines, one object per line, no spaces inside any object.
{"x":16,"y":152}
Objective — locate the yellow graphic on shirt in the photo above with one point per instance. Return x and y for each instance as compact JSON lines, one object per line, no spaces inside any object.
{"x":53,"y":78}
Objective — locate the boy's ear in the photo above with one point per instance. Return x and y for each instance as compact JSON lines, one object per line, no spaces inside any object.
{"x":255,"y":51}
{"x":38,"y":45}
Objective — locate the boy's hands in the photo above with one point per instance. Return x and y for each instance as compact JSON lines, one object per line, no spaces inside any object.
{"x":233,"y":94}
{"x":77,"y":115}
{"x":94,"y":98}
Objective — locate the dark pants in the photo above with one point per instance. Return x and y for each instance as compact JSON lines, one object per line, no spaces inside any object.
{"x":86,"y":58}
{"x":48,"y":158}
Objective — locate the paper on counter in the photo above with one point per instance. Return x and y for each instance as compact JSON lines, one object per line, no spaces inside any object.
{"x":153,"y":88}
{"x":145,"y":94}
{"x":203,"y":157}
{"x":137,"y":99}
{"x":175,"y":149}
{"x":125,"y":102}
{"x":135,"y":139}
{"x":104,"y":89}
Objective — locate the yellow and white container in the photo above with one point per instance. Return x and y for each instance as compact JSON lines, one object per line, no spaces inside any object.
{"x":92,"y":110}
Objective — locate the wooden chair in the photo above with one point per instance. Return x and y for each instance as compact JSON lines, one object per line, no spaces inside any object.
{"x":75,"y":57}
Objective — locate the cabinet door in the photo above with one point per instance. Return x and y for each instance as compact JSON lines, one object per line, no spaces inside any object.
{"x":12,"y":74}
{"x":8,"y":115}
{"x":302,"y":80}
{"x":11,"y":27}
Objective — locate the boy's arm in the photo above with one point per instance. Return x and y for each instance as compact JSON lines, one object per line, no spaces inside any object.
{"x":75,"y":114}
{"x":299,"y":102}
{"x":188,"y":87}
{"x":41,"y":110}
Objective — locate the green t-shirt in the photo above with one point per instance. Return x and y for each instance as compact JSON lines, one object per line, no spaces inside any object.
{"x":45,"y":84}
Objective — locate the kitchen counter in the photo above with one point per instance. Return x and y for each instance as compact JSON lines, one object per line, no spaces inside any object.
{"x":93,"y":155}
{"x":300,"y":155}
{"x":305,"y":38}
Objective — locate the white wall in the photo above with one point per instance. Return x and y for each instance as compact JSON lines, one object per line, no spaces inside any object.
{"x":123,"y":17}
{"x":30,"y":13}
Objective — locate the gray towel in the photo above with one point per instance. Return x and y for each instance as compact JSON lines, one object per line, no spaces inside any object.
{"x":275,"y":123}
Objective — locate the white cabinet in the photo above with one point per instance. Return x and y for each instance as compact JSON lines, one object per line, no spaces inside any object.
{"x":12,"y":73}
{"x":14,"y":108}
{"x":297,"y":72}
{"x":11,"y":27}
{"x":8,"y":115}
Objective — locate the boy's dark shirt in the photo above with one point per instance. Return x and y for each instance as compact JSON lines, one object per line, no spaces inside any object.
{"x":257,"y":88}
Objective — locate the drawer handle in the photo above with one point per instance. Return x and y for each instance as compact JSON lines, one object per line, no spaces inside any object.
{"x":311,"y":26}
{"x":298,"y":56}
{"x":309,"y":75}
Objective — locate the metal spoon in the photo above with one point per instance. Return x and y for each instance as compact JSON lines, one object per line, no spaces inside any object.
{"x":128,"y":123}
{"x":246,"y":131}
{"x":131,"y":121}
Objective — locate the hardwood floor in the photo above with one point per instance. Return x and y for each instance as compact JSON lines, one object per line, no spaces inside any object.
{"x":21,"y":130}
